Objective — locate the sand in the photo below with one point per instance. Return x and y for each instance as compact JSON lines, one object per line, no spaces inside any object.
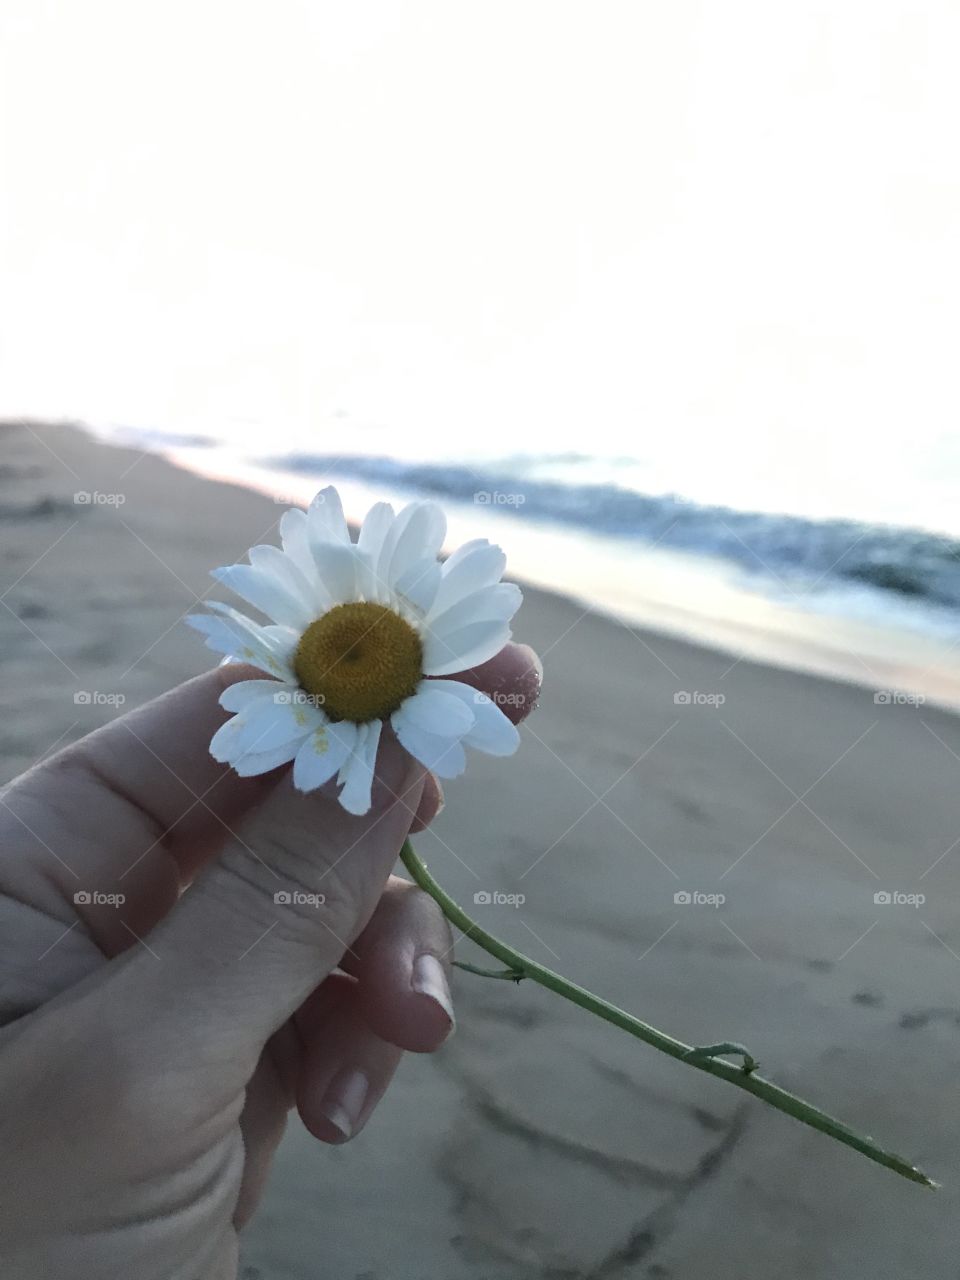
{"x":540,"y":1143}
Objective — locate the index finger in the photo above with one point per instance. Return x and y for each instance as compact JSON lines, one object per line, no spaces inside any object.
{"x":122,"y":803}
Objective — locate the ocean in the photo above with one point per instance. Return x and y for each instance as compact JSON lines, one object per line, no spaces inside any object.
{"x":871,"y":602}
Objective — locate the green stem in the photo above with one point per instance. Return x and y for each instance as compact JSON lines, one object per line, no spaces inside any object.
{"x":509,"y":975}
{"x":727,"y":1048}
{"x":703,"y":1059}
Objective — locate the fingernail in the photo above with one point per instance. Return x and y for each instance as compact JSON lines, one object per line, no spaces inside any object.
{"x":343,"y":1102}
{"x":430,"y":979}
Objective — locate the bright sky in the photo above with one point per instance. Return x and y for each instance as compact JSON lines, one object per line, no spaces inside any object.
{"x":722,"y":238}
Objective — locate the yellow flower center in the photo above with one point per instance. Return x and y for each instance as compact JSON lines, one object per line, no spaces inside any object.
{"x":359,"y":661}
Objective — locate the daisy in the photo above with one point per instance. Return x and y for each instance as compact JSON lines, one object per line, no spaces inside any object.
{"x":360,"y":634}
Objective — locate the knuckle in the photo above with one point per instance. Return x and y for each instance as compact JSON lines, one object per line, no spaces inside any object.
{"x":296,"y":893}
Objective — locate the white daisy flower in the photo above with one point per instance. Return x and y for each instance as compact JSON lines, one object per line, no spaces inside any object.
{"x":361,"y":633}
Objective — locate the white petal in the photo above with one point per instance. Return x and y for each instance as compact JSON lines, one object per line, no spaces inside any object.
{"x":256,"y":762}
{"x":356,"y":794}
{"x":392,"y":534}
{"x":224,"y":745}
{"x":416,"y":532}
{"x":492,"y":731}
{"x":236,"y":741}
{"x":337,"y":567}
{"x":376,"y":525}
{"x":489,"y":604}
{"x":285,"y":638}
{"x":266,"y":593}
{"x":444,"y":756}
{"x":294,"y":534}
{"x":418,"y":584}
{"x":465,"y":549}
{"x":463,"y":649}
{"x":419,"y":538}
{"x":281,"y":642}
{"x":365,"y":582}
{"x":436,"y":711}
{"x":263,"y":726}
{"x":221,"y":636}
{"x":243,"y":640}
{"x":474,"y":565}
{"x":275,"y":723}
{"x":322,"y":754}
{"x":325,"y":518}
{"x":301,"y":583}
{"x":241,"y":694}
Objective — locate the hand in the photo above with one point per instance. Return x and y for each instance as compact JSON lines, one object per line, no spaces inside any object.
{"x":150,"y":1049}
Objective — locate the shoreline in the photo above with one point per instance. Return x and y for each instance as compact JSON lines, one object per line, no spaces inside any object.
{"x":656,"y":591}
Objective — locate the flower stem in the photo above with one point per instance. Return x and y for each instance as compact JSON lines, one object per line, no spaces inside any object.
{"x":510,"y":975}
{"x":706,"y":1058}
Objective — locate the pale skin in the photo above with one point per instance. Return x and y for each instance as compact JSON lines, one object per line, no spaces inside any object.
{"x":150,"y":1052}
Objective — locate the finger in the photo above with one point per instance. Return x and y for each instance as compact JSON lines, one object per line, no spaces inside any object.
{"x":346,"y":1066}
{"x":512,"y":678}
{"x":232,"y":961}
{"x":268,"y":1098}
{"x":401,"y":962}
{"x":147,"y":782}
{"x":138,"y":806}
{"x":110,"y":828}
{"x":151,"y":771}
{"x":431,"y":802}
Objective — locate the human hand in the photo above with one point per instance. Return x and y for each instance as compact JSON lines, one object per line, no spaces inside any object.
{"x":150,"y":1051}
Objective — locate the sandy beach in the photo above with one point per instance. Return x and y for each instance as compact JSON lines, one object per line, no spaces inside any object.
{"x":539,"y":1142}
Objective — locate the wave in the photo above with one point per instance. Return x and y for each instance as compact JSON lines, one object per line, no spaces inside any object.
{"x":797,"y":552}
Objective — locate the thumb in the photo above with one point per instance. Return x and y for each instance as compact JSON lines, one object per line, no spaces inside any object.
{"x":263,"y":925}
